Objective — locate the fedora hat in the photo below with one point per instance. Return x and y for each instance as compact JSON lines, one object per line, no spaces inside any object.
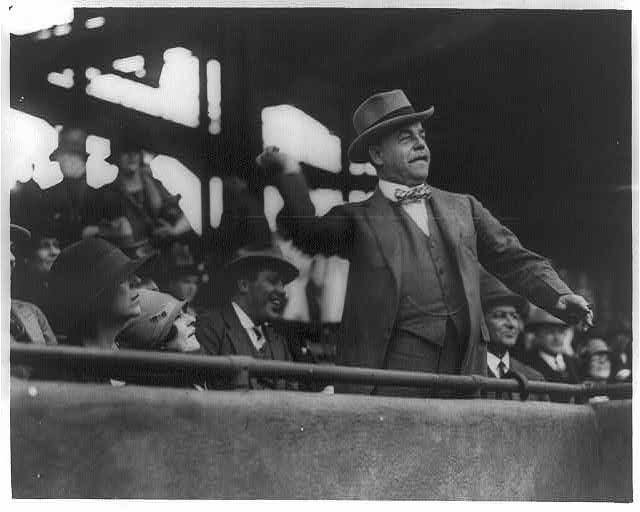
{"x":377,"y":114}
{"x":269,"y":257}
{"x":151,"y":328}
{"x":493,"y":292}
{"x":539,"y":316}
{"x":71,"y":140}
{"x":85,"y":269}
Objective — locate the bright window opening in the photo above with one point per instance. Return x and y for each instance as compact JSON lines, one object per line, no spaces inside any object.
{"x":300,"y":135}
{"x":215,"y":202}
{"x":177,"y":179}
{"x":175,"y":99}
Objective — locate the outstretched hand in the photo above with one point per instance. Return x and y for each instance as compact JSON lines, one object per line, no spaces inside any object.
{"x":272,"y":160}
{"x":576,"y":310}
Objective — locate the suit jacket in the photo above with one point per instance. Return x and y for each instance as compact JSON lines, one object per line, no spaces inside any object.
{"x":220,"y":333}
{"x":367,"y":234}
{"x":525,"y":370}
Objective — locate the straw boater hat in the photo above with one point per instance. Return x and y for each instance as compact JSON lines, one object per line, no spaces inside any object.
{"x":71,"y":140}
{"x":377,"y":114}
{"x":493,"y":293}
{"x":269,"y":257}
{"x":85,"y":269}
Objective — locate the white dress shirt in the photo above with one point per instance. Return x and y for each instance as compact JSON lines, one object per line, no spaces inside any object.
{"x":556,"y":362}
{"x":250,"y":327}
{"x":417,"y":210}
{"x":493,"y":361}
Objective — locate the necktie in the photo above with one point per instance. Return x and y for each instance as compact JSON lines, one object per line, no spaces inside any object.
{"x":417,"y":193}
{"x":560,"y":363}
{"x":502,"y":369}
{"x":260,"y":339}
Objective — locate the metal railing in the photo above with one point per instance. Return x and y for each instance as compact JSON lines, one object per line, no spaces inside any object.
{"x":239,"y":369}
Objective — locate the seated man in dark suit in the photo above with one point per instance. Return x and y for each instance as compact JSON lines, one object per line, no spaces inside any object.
{"x":256,"y":278}
{"x":503,"y":313}
{"x":548,"y":358}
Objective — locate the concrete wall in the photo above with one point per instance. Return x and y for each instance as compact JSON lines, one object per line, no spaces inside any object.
{"x":79,"y":440}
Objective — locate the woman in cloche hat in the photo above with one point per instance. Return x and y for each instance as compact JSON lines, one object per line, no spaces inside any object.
{"x":96,"y":285}
{"x":162,"y":325}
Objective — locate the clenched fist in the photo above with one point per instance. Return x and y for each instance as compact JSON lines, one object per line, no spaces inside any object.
{"x":272,"y":160}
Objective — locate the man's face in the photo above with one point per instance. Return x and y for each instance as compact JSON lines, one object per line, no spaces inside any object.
{"x":184,"y":287}
{"x":550,"y":338}
{"x":130,"y":161}
{"x":504,"y":324}
{"x":266,"y":296}
{"x":599,"y":366}
{"x":46,"y":252}
{"x":72,"y":165}
{"x":403,"y":156}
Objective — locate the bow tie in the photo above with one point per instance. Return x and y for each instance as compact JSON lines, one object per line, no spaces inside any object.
{"x":417,"y":193}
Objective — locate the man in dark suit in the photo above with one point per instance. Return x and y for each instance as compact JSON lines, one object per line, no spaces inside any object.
{"x":256,"y":278}
{"x":549,"y":343}
{"x":504,"y":312}
{"x":413,"y":293}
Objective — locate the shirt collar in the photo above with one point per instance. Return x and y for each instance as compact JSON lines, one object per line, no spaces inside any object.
{"x":245,"y":320}
{"x":551,"y":360}
{"x":388,"y":189}
{"x":493,"y":361}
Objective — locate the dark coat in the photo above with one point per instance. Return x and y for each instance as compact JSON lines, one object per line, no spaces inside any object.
{"x":366,"y":234}
{"x":220,"y":333}
{"x":525,"y":370}
{"x":570,"y":376}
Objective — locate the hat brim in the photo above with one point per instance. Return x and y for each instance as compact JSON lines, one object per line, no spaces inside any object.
{"x":359,"y":149}
{"x":54,"y":155}
{"x":288,"y":271}
{"x":520,"y":303}
{"x":117,"y":277}
{"x":19,"y":233}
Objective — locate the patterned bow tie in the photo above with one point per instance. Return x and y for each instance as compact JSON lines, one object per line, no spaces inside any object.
{"x":417,"y":193}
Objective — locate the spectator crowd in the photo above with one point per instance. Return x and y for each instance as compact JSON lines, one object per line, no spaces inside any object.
{"x":119,"y":267}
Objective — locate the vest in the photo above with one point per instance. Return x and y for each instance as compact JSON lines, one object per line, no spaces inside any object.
{"x":432,"y":325}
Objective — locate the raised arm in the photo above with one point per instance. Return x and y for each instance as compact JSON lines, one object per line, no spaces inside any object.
{"x":330,"y":234}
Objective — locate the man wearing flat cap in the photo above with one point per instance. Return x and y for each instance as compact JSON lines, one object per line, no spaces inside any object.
{"x":255,"y":278}
{"x":413,"y":291}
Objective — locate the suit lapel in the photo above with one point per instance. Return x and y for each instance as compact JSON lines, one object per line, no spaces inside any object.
{"x":235,"y":333}
{"x":446,"y":215}
{"x":384,"y":224}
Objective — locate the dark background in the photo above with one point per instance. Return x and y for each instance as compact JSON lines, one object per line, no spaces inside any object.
{"x":533,"y":109}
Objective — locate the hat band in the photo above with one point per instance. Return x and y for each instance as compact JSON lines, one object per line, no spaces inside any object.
{"x":394,"y":113}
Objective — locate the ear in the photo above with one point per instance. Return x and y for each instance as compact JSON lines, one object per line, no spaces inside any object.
{"x":375,"y":155}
